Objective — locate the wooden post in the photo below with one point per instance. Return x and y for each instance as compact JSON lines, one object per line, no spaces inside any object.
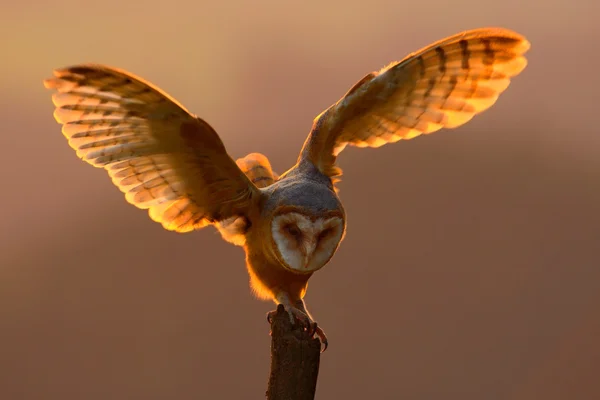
{"x":294,"y":360}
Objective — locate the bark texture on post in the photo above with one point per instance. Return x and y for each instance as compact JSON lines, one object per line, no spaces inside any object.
{"x":294,"y":360}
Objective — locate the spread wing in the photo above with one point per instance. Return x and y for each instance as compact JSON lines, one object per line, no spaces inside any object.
{"x":443,"y":85}
{"x":163,"y":158}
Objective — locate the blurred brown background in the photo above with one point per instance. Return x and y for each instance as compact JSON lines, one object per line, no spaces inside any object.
{"x":484,"y":249}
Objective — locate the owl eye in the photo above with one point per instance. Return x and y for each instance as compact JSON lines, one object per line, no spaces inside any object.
{"x":324,"y":233}
{"x":294,"y":231}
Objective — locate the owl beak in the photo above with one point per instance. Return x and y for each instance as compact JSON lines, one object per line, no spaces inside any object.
{"x":309,"y":249}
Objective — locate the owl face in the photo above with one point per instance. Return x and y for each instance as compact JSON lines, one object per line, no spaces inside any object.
{"x":304,"y":244}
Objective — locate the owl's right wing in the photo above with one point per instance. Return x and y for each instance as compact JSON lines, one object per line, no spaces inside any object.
{"x":443,"y":85}
{"x":162,"y":157}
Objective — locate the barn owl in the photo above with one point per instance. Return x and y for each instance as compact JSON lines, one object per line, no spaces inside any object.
{"x":173,"y":164}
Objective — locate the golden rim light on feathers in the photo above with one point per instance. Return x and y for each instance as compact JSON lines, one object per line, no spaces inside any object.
{"x":173,"y":164}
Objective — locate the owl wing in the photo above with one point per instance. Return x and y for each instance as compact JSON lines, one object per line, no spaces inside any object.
{"x":443,"y":85}
{"x":162,"y":157}
{"x":258,"y":169}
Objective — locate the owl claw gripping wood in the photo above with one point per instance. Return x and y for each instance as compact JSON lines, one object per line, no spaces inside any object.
{"x":173,"y":164}
{"x":299,"y":316}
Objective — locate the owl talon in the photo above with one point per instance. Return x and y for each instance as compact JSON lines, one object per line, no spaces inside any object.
{"x":316,"y":330}
{"x":322,"y":337}
{"x":311,"y":327}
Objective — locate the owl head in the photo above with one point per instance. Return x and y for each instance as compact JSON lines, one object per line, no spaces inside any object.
{"x":306,"y":221}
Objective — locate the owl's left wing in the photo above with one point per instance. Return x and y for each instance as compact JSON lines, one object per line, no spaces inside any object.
{"x":443,"y":85}
{"x":163,"y":158}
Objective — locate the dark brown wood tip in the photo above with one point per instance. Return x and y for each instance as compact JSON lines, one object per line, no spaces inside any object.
{"x":295,"y":358}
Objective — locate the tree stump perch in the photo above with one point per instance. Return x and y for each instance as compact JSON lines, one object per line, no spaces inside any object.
{"x":295,"y":358}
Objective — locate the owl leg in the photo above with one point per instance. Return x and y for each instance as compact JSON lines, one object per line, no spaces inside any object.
{"x":317,"y":330}
{"x":296,"y":314}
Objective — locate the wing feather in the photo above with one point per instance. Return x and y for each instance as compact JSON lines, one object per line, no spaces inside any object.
{"x":162,"y":157}
{"x":258,"y":169}
{"x":443,"y":85}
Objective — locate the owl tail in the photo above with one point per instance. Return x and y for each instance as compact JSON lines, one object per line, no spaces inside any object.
{"x":258,"y":169}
